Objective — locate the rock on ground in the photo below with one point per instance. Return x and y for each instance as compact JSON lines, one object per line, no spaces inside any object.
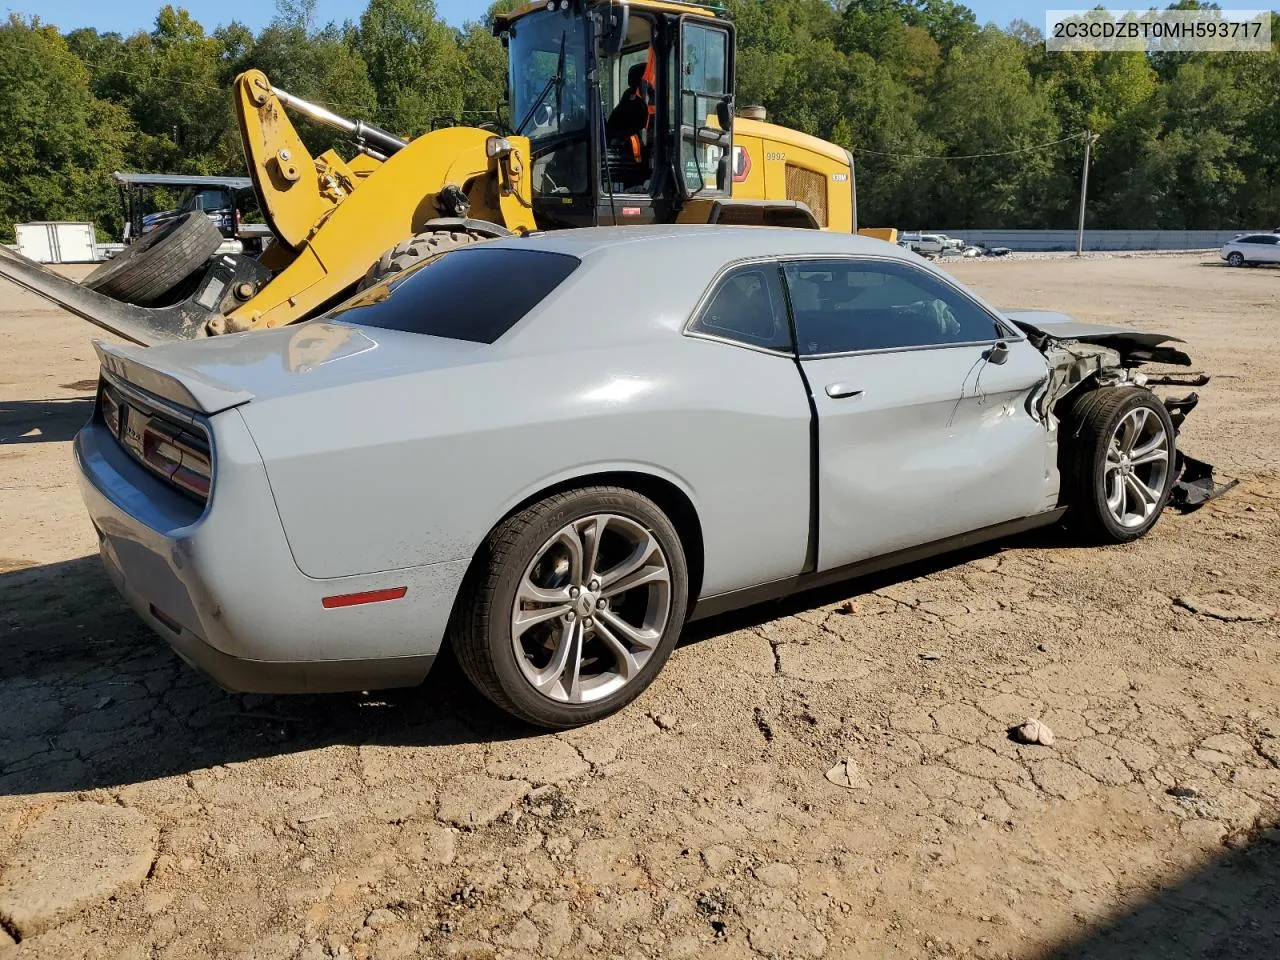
{"x":72,"y":857}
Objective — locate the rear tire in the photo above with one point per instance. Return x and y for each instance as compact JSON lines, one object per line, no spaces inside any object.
{"x":417,"y":249}
{"x":158,"y":262}
{"x":1117,"y":453}
{"x":525,"y":595}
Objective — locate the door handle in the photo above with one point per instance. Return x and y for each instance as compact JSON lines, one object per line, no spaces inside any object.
{"x":842,"y":391}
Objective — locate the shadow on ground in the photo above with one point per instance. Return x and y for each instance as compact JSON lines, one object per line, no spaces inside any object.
{"x":1228,"y":908}
{"x":43,"y":421}
{"x":93,"y":699}
{"x":1250,"y":266}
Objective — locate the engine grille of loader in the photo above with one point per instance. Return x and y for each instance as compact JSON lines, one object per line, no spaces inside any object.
{"x":809,"y":188}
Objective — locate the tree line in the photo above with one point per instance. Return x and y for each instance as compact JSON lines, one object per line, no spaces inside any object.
{"x":953,"y":124}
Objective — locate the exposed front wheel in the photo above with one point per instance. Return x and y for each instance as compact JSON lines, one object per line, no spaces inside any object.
{"x":1235,"y":258}
{"x":573,"y":606}
{"x":1118,"y":458}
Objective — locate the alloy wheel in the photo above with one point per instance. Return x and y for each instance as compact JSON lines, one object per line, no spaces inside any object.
{"x":1136,"y":467}
{"x":591,"y":608}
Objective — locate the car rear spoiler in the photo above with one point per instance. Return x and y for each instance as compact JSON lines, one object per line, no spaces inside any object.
{"x":181,"y":385}
{"x":142,"y":325}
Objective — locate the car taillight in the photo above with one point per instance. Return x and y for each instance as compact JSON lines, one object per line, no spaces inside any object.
{"x":180,"y":457}
{"x":176,"y":451}
{"x":110,"y":407}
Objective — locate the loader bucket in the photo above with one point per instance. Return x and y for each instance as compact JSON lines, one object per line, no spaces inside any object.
{"x":144,"y":325}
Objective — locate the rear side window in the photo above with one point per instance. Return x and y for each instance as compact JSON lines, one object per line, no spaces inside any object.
{"x":747,"y":307}
{"x":475,"y":294}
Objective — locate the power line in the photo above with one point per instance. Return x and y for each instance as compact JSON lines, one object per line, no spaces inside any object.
{"x":975,"y":156}
{"x":215,"y":88}
{"x":365,"y":109}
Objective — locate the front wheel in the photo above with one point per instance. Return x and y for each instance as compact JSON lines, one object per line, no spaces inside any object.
{"x":1235,"y":258}
{"x":572,"y":606}
{"x":1118,"y":454}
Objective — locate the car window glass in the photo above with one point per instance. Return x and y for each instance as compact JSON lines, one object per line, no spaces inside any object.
{"x":842,"y":306}
{"x":475,"y":294}
{"x":747,"y":307}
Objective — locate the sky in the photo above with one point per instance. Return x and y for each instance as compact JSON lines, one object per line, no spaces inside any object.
{"x":129,"y":16}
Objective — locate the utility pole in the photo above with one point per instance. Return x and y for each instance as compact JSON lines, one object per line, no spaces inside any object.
{"x":1089,"y":140}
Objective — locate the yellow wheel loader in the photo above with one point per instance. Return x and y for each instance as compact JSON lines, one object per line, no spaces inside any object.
{"x":620,"y":113}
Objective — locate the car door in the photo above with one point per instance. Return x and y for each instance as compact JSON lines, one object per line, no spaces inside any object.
{"x":1268,"y":248}
{"x":921,"y":436}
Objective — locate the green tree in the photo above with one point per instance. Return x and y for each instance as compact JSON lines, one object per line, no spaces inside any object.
{"x":60,"y":142}
{"x":413,"y":62}
{"x":986,"y":102}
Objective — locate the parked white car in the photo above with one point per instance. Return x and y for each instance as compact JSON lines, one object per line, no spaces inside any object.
{"x":926,"y":244}
{"x":1251,"y":249}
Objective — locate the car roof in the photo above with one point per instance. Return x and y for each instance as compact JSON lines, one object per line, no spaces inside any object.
{"x":712,"y":242}
{"x":643,"y":282}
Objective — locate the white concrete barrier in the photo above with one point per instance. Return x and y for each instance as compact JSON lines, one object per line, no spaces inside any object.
{"x":1099,"y":239}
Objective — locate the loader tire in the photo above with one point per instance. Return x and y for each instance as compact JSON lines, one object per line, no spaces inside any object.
{"x":158,"y":262}
{"x":415,"y":250}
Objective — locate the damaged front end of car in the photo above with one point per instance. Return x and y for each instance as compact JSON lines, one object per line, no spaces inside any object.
{"x":1083,"y":355}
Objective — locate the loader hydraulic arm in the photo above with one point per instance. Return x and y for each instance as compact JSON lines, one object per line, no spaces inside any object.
{"x":333,"y":218}
{"x":297,"y":192}
{"x":369,"y":139}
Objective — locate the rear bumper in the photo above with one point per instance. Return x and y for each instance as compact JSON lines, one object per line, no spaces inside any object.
{"x":241,"y":675}
{"x":222,"y":588}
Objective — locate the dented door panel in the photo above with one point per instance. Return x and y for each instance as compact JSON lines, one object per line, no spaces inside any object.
{"x":919,"y":445}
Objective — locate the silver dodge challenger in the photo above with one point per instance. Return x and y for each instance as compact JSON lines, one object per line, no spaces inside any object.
{"x":552,"y":452}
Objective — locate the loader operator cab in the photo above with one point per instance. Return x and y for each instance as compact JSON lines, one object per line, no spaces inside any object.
{"x":628,"y":109}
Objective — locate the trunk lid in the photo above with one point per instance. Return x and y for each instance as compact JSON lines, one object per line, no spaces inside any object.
{"x":216,"y":374}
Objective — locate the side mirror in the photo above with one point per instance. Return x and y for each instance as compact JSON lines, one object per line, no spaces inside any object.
{"x":617,"y":19}
{"x":724,"y":113}
{"x":998,"y":353}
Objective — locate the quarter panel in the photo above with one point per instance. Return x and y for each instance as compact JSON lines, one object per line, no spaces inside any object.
{"x":417,"y":469}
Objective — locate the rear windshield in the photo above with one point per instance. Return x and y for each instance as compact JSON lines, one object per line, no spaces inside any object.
{"x":475,"y":294}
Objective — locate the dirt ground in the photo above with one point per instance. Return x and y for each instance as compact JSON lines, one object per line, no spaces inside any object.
{"x":144,"y":813}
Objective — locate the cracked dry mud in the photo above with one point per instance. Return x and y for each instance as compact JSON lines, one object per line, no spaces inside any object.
{"x":700,"y":821}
